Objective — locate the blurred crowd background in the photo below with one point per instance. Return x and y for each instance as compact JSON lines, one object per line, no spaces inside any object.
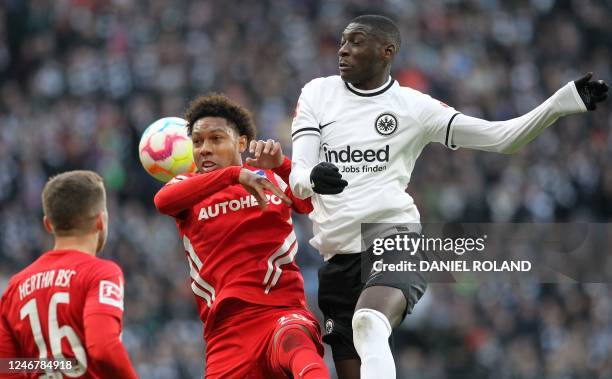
{"x":81,"y":79}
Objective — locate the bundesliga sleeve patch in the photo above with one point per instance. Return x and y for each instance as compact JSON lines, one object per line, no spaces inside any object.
{"x":111,"y":293}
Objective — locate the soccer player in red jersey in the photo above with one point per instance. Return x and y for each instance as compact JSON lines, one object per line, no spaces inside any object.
{"x":235,"y":224}
{"x":68,"y":304}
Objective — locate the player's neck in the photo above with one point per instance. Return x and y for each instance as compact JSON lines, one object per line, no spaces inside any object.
{"x":87,"y":243}
{"x":374,"y":82}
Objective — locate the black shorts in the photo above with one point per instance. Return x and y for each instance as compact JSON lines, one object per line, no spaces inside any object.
{"x":341,"y":281}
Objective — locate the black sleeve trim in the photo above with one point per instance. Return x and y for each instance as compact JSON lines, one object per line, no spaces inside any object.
{"x":304,"y":130}
{"x":448,"y":129}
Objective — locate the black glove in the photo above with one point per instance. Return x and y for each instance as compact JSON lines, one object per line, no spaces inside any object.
{"x":326,"y":179}
{"x":591,"y":92}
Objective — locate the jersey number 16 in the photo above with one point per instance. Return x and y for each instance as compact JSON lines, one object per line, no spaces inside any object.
{"x":56,"y":334}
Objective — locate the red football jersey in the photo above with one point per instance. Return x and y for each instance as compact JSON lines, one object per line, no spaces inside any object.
{"x":44,"y":306}
{"x":233,"y":248}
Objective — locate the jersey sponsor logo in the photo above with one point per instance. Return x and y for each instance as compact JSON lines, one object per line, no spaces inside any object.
{"x":224,"y":207}
{"x":386,"y":124}
{"x":350,"y":154}
{"x":111,"y":293}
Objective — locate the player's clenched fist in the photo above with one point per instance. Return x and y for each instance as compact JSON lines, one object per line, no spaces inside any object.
{"x":591,"y":91}
{"x":326,"y":179}
{"x":256,"y":185}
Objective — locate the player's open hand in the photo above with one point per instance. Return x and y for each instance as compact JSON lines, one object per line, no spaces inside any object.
{"x":256,"y":185}
{"x":591,"y":91}
{"x":268,"y":154}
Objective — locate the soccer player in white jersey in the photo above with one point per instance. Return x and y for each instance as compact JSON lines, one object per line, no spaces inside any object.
{"x":356,"y":138}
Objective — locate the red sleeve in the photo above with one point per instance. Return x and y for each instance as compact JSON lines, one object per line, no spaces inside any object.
{"x":299,"y":205}
{"x":182,"y":192}
{"x":105,"y":293}
{"x":284,"y":170}
{"x":8,"y":345}
{"x":104,"y":346}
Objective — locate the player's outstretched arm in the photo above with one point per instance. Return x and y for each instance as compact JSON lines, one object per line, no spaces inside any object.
{"x":182,"y":192}
{"x":509,"y":136}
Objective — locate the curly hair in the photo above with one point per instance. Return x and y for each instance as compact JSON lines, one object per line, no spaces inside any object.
{"x":217,"y":105}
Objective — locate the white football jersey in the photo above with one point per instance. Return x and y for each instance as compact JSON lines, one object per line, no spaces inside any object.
{"x":375,"y":137}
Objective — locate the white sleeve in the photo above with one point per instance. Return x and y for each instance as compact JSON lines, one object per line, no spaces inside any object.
{"x":305,"y":155}
{"x":305,"y":120}
{"x":436,"y":117}
{"x":509,"y":136}
{"x":306,"y":137}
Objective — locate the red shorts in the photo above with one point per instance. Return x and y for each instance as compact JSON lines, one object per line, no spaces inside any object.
{"x":241,"y":346}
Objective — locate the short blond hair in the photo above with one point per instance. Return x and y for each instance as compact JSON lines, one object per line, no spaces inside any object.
{"x":72,"y":199}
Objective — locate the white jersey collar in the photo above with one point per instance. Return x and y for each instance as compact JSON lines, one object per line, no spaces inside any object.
{"x":370,"y":92}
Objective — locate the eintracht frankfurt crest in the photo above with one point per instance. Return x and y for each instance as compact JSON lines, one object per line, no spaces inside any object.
{"x":386,"y":124}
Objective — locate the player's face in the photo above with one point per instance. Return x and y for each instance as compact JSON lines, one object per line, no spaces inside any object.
{"x":361,"y":55}
{"x":216,"y":144}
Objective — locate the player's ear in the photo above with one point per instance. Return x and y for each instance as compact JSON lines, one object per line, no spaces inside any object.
{"x":47,"y":224}
{"x":390,"y":50}
{"x":242,"y":143}
{"x":101,"y":219}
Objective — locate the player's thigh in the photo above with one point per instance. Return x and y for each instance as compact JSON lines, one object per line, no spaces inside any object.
{"x":237,"y":348}
{"x":339,"y":287}
{"x":300,"y":319}
{"x":393,"y":293}
{"x":388,"y":300}
{"x":232,"y":358}
{"x":283,"y":321}
{"x":348,"y":368}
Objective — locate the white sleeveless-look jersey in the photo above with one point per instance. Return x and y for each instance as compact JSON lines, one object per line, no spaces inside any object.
{"x":375,"y":137}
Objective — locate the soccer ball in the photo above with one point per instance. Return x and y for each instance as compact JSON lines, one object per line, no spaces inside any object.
{"x":166,"y":150}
